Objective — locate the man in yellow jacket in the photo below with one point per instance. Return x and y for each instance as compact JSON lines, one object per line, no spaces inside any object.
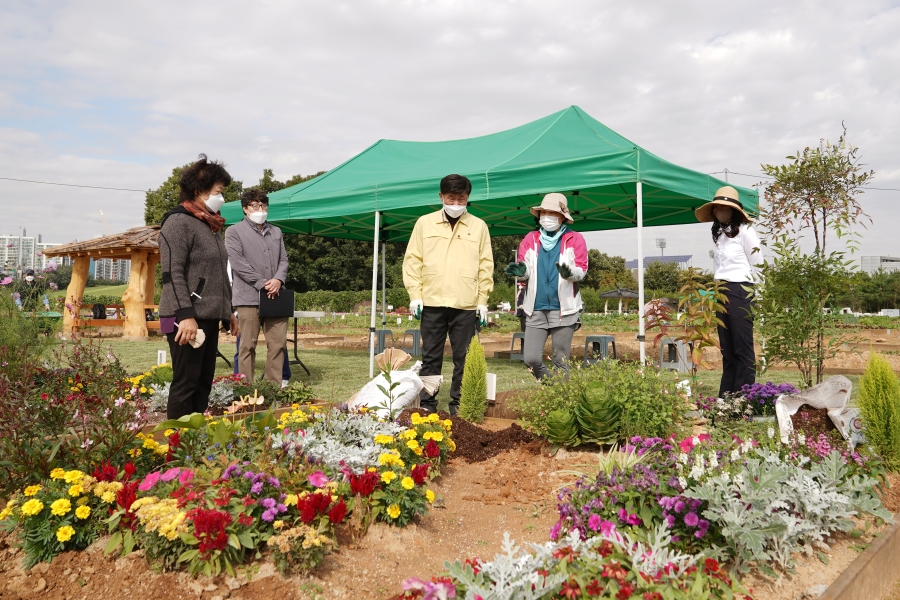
{"x":448,"y":271}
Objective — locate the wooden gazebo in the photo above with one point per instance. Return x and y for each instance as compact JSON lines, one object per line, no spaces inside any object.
{"x":139,"y":245}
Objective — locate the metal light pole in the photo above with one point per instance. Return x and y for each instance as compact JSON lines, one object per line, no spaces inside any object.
{"x":661,"y":244}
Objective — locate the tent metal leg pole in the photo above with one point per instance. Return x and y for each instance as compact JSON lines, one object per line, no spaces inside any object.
{"x":640,"y":265}
{"x":383,"y":287}
{"x":374,"y":297}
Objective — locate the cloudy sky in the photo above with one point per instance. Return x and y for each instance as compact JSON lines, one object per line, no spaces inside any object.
{"x":116,"y":94}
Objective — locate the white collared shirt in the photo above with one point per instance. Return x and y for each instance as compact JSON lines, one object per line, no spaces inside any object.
{"x":738,"y":259}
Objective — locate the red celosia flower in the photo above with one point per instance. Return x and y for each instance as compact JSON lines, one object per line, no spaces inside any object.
{"x":364,"y":484}
{"x":209,"y":528}
{"x":105,"y":472}
{"x":432,"y":450}
{"x":174,"y":441}
{"x":419,"y":473}
{"x":312,"y":506}
{"x":129,"y":470}
{"x":338,"y":512}
{"x":570,"y":590}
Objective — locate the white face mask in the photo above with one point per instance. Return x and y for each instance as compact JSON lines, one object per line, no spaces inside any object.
{"x":549,"y":222}
{"x":258,"y":217}
{"x":215,"y":202}
{"x":29,"y":278}
{"x":453,"y":211}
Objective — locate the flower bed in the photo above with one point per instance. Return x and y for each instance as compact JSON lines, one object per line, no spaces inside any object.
{"x":220,"y":490}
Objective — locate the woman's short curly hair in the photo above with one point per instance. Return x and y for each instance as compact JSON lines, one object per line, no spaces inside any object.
{"x":200,"y":178}
{"x":252,"y":195}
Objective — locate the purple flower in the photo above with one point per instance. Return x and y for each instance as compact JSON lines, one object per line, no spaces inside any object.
{"x":679,"y":506}
{"x":704,"y":524}
{"x":554,"y":531}
{"x":269,"y":515}
{"x":257,"y":487}
{"x":248,"y":475}
{"x":268,"y":502}
{"x":691,"y":519}
{"x":281,"y":508}
{"x":273,"y":481}
{"x":594,"y":522}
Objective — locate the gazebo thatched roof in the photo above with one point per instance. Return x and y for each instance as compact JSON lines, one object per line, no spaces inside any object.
{"x":119,"y":245}
{"x":619,"y":293}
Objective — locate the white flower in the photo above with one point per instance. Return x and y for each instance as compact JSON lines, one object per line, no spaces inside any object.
{"x":739,"y":479}
{"x":735,"y":455}
{"x":746,"y":446}
{"x":682,"y":482}
{"x":683,"y":458}
{"x":770,"y":432}
{"x":695,"y":440}
{"x":87,"y":443}
{"x":696,"y":472}
{"x":713,"y":460}
{"x":120,"y":401}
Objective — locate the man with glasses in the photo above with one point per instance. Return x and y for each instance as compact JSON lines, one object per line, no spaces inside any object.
{"x":259,"y":265}
{"x":448,"y":271}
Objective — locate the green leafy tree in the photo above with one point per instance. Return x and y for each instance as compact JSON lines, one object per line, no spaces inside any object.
{"x":817,"y":190}
{"x":607,"y":272}
{"x":473,"y":391}
{"x":662,"y":277}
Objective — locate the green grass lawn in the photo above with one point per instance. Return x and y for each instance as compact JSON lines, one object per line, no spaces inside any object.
{"x":335,"y":374}
{"x":101,"y":290}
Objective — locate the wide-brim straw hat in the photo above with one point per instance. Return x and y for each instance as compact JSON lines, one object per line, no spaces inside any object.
{"x":725,"y":196}
{"x":556,"y":203}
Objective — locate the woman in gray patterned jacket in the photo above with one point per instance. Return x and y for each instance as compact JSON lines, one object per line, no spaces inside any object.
{"x":196,"y":295}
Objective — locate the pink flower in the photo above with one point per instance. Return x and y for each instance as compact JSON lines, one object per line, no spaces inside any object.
{"x":594,"y":522}
{"x":170,"y":474}
{"x":185,"y":476}
{"x":6,"y":281}
{"x":318,"y":479}
{"x":149,"y":481}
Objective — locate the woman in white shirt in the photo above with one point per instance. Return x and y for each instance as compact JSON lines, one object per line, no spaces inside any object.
{"x":738,"y":255}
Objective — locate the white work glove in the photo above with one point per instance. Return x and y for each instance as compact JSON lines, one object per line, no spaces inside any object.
{"x":481,"y":310}
{"x":415,"y":308}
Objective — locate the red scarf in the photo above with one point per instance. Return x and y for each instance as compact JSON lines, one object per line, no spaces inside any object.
{"x":199,"y":210}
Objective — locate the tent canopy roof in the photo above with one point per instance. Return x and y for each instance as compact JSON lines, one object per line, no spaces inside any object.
{"x":567,"y":152}
{"x":119,"y":245}
{"x":619,"y":293}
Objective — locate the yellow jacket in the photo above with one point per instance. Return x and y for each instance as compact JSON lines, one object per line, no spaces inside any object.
{"x":449,"y":267}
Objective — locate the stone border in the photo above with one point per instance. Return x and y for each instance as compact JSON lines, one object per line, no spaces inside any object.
{"x":872,"y":574}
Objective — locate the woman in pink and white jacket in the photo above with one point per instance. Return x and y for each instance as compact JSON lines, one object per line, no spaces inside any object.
{"x":552,"y":260}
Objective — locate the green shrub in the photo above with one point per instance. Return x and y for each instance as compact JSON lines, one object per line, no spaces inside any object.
{"x":473,"y":392}
{"x":879,"y":322}
{"x":879,"y":403}
{"x":592,"y":301}
{"x":598,"y":414}
{"x":645,"y":397}
{"x":503,"y":292}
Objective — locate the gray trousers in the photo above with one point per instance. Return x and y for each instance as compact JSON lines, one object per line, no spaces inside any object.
{"x":562,"y":346}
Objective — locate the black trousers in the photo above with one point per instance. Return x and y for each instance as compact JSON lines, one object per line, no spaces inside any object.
{"x":193,"y":371}
{"x":437,"y":323}
{"x":736,"y":339}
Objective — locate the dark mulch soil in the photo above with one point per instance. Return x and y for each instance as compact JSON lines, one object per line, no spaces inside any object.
{"x":812,"y":421}
{"x":476,"y":444}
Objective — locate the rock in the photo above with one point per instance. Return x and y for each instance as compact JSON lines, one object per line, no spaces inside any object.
{"x":42,"y":568}
{"x":233,"y":583}
{"x":814,"y":592}
{"x":562,"y":454}
{"x":41,"y":585}
{"x":210,"y":587}
{"x":217,"y":598}
{"x":67,"y":572}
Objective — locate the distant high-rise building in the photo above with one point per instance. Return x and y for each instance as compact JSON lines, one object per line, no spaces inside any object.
{"x":21,"y":252}
{"x":114,"y":270}
{"x":872,"y":264}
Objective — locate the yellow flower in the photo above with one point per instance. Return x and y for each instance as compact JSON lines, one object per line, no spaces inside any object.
{"x":412,"y":445}
{"x":57,"y":473}
{"x":447,"y":424}
{"x":82,"y":501}
{"x":393,"y":511}
{"x":32,"y":490}
{"x":418,"y":451}
{"x":143,"y":390}
{"x":433,"y":418}
{"x":408,"y":483}
{"x":416,"y":419}
{"x":388,"y":476}
{"x":437,"y":436}
{"x":409,"y":434}
{"x":150,"y":443}
{"x":4,"y":514}
{"x":452,"y":445}
{"x":161,"y":449}
{"x":73,"y":476}
{"x":427,"y":435}
{"x":61,"y":507}
{"x":278,"y":524}
{"x":363,"y":409}
{"x":134,"y":452}
{"x":384,"y":439}
{"x":83,"y":512}
{"x":372,"y":469}
{"x":290,"y":500}
{"x":32,"y":507}
{"x":76,"y":490}
{"x":429,"y":495}
{"x":168,"y":432}
{"x":65,"y":533}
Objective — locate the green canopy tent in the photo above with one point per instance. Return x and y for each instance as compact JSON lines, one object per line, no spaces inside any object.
{"x":610,"y":183}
